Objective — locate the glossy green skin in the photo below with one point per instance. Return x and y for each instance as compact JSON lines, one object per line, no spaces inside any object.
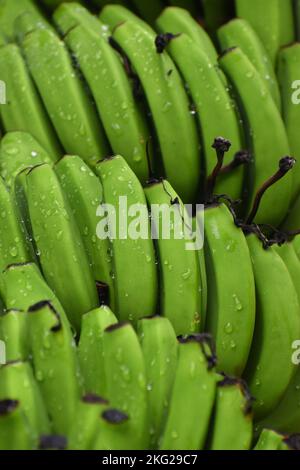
{"x":168,"y":103}
{"x":59,"y":245}
{"x":84,"y":193}
{"x":13,"y":245}
{"x":126,"y":383}
{"x":277,"y":327}
{"x":122,"y":119}
{"x":55,"y":366}
{"x":24,"y":110}
{"x":69,"y":15}
{"x":266,"y":136}
{"x":288,"y":73}
{"x":10,"y":10}
{"x":270,"y":440}
{"x":192,"y":401}
{"x":76,"y":122}
{"x":28,"y":22}
{"x":239,"y":33}
{"x":160,"y":347}
{"x":114,"y":15}
{"x":14,"y":333}
{"x":179,"y":274}
{"x":215,"y":110}
{"x":134,"y":268}
{"x":232,"y":425}
{"x":15,"y":432}
{"x":231,"y":298}
{"x":90,"y":349}
{"x":18,"y":151}
{"x":18,"y":383}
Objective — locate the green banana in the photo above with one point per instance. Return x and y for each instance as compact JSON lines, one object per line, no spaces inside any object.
{"x":239,"y":33}
{"x":90,"y":349}
{"x":126,"y":382}
{"x":15,"y":432}
{"x":65,"y":98}
{"x":84,"y":193}
{"x":231,"y":299}
{"x":123,"y":122}
{"x":232,"y":421}
{"x":296,"y":245}
{"x":134,"y":268}
{"x":27,"y":22}
{"x":59,"y":245}
{"x":266,"y":135}
{"x":18,"y":151}
{"x":69,"y":15}
{"x":115,"y":431}
{"x":180,"y":283}
{"x":160,"y":347}
{"x":215,"y":109}
{"x":14,"y":333}
{"x":55,"y":364}
{"x":10,"y":10}
{"x":86,"y":422}
{"x":288,"y":75}
{"x":17,"y":381}
{"x":271,"y":440}
{"x":192,"y":397}
{"x":24,"y":110}
{"x":277,"y":327}
{"x":168,"y":103}
{"x":13,"y":244}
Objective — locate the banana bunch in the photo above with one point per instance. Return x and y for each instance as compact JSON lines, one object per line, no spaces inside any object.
{"x":116,"y":342}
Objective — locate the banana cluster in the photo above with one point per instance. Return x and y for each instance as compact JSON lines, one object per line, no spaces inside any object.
{"x":119,"y":343}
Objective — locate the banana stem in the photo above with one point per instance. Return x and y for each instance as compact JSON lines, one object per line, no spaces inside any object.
{"x":221,"y":146}
{"x":243,"y":157}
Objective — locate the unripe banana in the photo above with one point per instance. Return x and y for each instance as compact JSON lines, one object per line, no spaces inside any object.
{"x":18,"y":383}
{"x":90,"y":349}
{"x":15,"y":432}
{"x":232,"y":420}
{"x":277,"y":327}
{"x":271,"y":440}
{"x":14,"y":333}
{"x":115,"y":431}
{"x":10,"y":10}
{"x":55,"y":364}
{"x":168,"y":103}
{"x":71,"y":14}
{"x":267,"y":138}
{"x":126,"y":382}
{"x":64,"y":96}
{"x":24,"y":110}
{"x":134,"y":267}
{"x":192,"y":397}
{"x":160,"y":347}
{"x":239,"y":33}
{"x":122,"y":119}
{"x":231,"y":299}
{"x":59,"y":246}
{"x":84,"y":193}
{"x":29,"y":21}
{"x":180,"y":283}
{"x":113,"y":15}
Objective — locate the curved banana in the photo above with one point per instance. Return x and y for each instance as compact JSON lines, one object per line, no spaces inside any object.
{"x":169,"y":105}
{"x":24,"y":110}
{"x":195,"y":383}
{"x":18,"y":383}
{"x":113,"y":15}
{"x":15,"y":432}
{"x":27,"y":22}
{"x":232,"y":420}
{"x":65,"y":98}
{"x":231,"y":299}
{"x":14,"y":333}
{"x":239,"y":33}
{"x":126,"y":382}
{"x":55,"y":364}
{"x":59,"y":245}
{"x":134,"y":268}
{"x":180,"y":283}
{"x":10,"y":10}
{"x":270,"y":368}
{"x":84,"y":193}
{"x":90,"y":349}
{"x":121,"y":117}
{"x":266,"y":135}
{"x":160,"y":347}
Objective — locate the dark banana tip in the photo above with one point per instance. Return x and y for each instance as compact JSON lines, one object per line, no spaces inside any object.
{"x":227,"y":51}
{"x":47,"y":304}
{"x":207,"y":345}
{"x":293,"y":441}
{"x":116,"y":326}
{"x":114,"y":416}
{"x":286,"y":164}
{"x":53,"y":443}
{"x":93,"y":399}
{"x":7,"y":406}
{"x":163,"y":40}
{"x":242,"y":157}
{"x":229,"y":381}
{"x":103,"y":293}
{"x":222,"y":145}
